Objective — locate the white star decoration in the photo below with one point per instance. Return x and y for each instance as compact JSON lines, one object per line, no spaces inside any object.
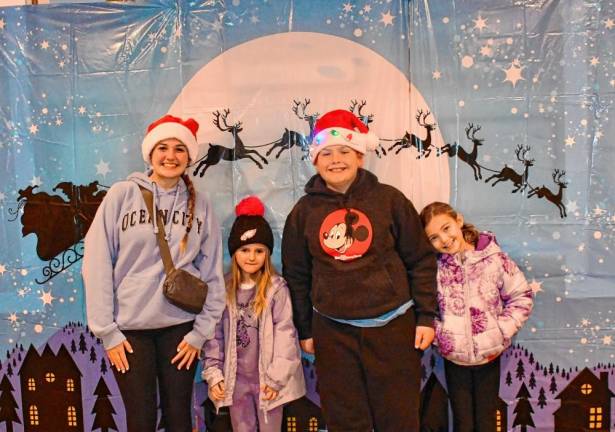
{"x":436,"y":75}
{"x":609,"y":24}
{"x":606,"y":340}
{"x":47,"y":298}
{"x":569,"y":141}
{"x":13,"y":318}
{"x":513,"y":73}
{"x":387,"y":18}
{"x":480,"y":23}
{"x":535,"y":286}
{"x":572,"y":206}
{"x":486,"y":51}
{"x":102,"y":168}
{"x":45,"y":45}
{"x":33,"y":129}
{"x":81,"y":109}
{"x":2,"y":269}
{"x":594,"y":61}
{"x":1,"y":24}
{"x":348,"y":7}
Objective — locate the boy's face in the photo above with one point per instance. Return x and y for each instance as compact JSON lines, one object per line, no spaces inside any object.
{"x":338,"y":166}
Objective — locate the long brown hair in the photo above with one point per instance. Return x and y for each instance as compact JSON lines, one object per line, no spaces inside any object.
{"x":436,"y":208}
{"x":191,"y":204}
{"x":263,"y":281}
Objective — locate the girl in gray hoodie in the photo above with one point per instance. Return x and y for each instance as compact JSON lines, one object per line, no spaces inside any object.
{"x":253,"y":364}
{"x":152,"y":344}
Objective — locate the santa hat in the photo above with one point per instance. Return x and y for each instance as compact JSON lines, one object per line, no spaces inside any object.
{"x":167,"y":127}
{"x":341,"y":127}
{"x":250,"y":226}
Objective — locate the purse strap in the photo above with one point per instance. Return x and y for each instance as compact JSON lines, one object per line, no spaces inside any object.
{"x":165,"y":253}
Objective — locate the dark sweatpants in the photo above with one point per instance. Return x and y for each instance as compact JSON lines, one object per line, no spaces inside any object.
{"x":368,"y":378}
{"x":473,"y":392}
{"x":150,"y":370}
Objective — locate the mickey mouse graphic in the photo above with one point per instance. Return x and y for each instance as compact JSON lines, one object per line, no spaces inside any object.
{"x":346,"y":234}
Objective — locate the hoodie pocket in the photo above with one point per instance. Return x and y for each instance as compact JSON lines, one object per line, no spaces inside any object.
{"x":353,"y":293}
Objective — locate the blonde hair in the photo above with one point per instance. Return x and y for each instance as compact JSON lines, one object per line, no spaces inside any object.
{"x":436,"y":208}
{"x":263,"y":280}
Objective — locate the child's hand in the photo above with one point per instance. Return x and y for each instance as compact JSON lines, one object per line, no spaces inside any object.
{"x":424,"y":337}
{"x":268,"y":392}
{"x":217,"y":391}
{"x":307,"y":345}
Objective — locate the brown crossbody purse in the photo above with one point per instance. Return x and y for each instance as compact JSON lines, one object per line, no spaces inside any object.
{"x":180,"y":288}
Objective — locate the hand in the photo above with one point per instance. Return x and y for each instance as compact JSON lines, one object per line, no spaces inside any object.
{"x":424,"y":337}
{"x":307,"y":345}
{"x":117,"y":356}
{"x":268,"y":393}
{"x":217,"y":391}
{"x":186,"y":354}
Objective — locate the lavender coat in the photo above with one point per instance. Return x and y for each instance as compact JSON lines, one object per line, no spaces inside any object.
{"x":484,"y":300}
{"x":279,"y":355}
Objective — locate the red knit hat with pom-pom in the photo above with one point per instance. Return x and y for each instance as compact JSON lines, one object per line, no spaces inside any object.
{"x":250,"y":226}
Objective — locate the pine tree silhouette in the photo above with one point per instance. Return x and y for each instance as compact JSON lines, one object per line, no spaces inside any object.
{"x":523,"y":410}
{"x":9,"y":370}
{"x":520,"y":373}
{"x":82,"y":345}
{"x":531,"y":359}
{"x":103,"y":409}
{"x":542,"y":398}
{"x":92,"y":355}
{"x":551,"y":368}
{"x":508,"y":379}
{"x":553,"y":386}
{"x":532,"y":382}
{"x":73,"y":347}
{"x":103,"y":366}
{"x":8,"y":405}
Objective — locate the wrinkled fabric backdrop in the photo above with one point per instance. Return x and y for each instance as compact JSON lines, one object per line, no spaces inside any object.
{"x":499,"y":107}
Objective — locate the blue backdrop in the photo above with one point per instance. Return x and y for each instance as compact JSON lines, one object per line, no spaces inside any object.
{"x":528,"y":85}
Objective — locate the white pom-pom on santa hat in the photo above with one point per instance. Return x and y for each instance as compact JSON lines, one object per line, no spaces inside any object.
{"x":341,"y":127}
{"x":169,"y":126}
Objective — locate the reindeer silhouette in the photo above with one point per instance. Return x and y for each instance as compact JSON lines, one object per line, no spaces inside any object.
{"x":57,"y":223}
{"x":216,"y":152}
{"x":469,"y":158}
{"x":544,"y":192}
{"x":292,"y":138}
{"x":411,"y":140}
{"x":366,"y":119}
{"x":519,"y":180}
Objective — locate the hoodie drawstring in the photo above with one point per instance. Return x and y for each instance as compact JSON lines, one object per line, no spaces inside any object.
{"x":167,"y":222}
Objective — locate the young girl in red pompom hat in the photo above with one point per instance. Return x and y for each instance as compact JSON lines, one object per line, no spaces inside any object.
{"x":253,"y":364}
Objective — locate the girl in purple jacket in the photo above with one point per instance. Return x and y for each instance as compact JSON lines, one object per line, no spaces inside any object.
{"x":253,"y":364}
{"x":484,"y":300}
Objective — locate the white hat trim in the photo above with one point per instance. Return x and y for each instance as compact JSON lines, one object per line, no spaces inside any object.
{"x":170,"y":130}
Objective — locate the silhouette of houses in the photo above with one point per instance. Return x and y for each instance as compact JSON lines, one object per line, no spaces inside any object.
{"x":302,"y":415}
{"x":501,"y":416}
{"x":585,"y":404}
{"x":50,"y":391}
{"x":434,"y":406}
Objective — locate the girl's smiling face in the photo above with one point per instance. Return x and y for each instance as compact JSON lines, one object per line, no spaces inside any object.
{"x":169,"y":160}
{"x":444,"y":233}
{"x":250,"y":258}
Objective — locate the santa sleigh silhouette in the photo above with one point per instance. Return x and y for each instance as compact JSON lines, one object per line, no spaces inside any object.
{"x":59,"y":223}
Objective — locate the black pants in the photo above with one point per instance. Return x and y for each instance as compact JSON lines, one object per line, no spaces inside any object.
{"x":150,"y":369}
{"x":473,"y":392}
{"x":368,"y":378}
